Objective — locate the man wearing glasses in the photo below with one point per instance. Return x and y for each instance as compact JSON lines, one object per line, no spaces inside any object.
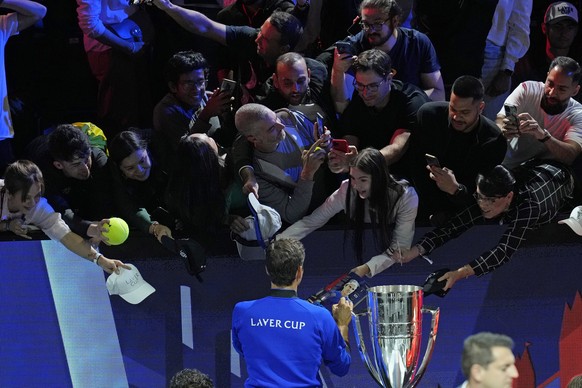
{"x":412,"y":53}
{"x":187,"y":108}
{"x":524,"y":200}
{"x":381,"y":114}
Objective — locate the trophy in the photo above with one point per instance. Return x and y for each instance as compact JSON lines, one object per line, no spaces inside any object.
{"x":395,"y":321}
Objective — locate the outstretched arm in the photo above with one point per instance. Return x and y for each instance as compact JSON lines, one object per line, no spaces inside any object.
{"x":28,"y":12}
{"x":76,"y":244}
{"x":193,"y":21}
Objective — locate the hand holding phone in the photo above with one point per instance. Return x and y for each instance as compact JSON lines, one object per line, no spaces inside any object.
{"x":432,"y":160}
{"x":228,"y":86}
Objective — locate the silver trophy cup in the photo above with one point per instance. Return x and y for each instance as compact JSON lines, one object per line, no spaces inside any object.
{"x":395,"y":320}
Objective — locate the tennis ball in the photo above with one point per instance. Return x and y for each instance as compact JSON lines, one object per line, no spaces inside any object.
{"x":118,"y":231}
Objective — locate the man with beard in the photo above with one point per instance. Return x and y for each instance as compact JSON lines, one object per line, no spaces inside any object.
{"x":301,"y":84}
{"x":524,"y":200}
{"x":381,"y":115}
{"x":187,"y":109}
{"x":465,"y":143}
{"x":256,"y":50}
{"x":549,"y":120}
{"x":413,"y":55}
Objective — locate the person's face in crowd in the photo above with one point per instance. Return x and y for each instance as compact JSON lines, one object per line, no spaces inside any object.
{"x":377,"y":26}
{"x":17,"y":204}
{"x":500,"y":372}
{"x":268,"y":133}
{"x":269,"y":43}
{"x":190,"y":88}
{"x":210,"y":141}
{"x":361,"y":182}
{"x":373,"y":88}
{"x":560,"y":35}
{"x":137,"y":165}
{"x":492,"y":207}
{"x":558,"y":89}
{"x":78,"y":168}
{"x":292,"y":81}
{"x":464,"y":112}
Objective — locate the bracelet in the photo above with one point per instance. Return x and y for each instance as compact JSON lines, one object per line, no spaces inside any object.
{"x":547,"y":136}
{"x":97,"y":257}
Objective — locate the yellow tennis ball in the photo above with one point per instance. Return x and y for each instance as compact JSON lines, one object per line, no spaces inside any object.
{"x":118,"y":231}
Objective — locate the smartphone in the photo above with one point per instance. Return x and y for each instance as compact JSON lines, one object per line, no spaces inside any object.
{"x":355,"y":28}
{"x":320,"y":127}
{"x":344,"y":48}
{"x":227,"y":86}
{"x":340,"y":145}
{"x":511,"y":113}
{"x":432,"y":160}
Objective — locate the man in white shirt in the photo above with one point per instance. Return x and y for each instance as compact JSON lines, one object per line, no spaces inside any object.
{"x":24,"y":14}
{"x":549,"y":120}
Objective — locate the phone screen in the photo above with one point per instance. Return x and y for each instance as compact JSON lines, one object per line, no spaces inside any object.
{"x":320,"y":127}
{"x":432,"y":160}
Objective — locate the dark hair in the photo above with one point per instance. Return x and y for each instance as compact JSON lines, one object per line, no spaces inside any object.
{"x":124,"y":144}
{"x":283,"y":259}
{"x":569,"y":66}
{"x":21,"y":175}
{"x":477,"y":349}
{"x":497,"y":182}
{"x":184,"y":62}
{"x":390,"y":7}
{"x":288,"y":26}
{"x":384,"y":193}
{"x":375,"y":60}
{"x":467,"y":86}
{"x":68,"y":142}
{"x":194,"y":189}
{"x":191,"y":378}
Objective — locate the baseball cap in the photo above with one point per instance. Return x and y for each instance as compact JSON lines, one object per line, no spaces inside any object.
{"x":263,"y":224}
{"x":560,"y":10}
{"x":575,"y":220}
{"x":129,"y":284}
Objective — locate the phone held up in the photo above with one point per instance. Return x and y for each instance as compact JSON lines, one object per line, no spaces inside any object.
{"x":340,"y":145}
{"x":228,"y":86}
{"x":344,"y":48}
{"x":511,"y":114}
{"x":432,"y":160}
{"x":320,"y":126}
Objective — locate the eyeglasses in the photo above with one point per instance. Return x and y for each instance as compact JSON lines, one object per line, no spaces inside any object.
{"x":190,"y":84}
{"x":480,"y":197}
{"x":374,"y":26}
{"x":373,"y":87}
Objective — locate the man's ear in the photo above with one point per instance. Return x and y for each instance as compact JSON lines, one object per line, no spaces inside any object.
{"x":275,"y":81}
{"x":476,"y":372}
{"x":252,"y":139}
{"x":510,"y":195}
{"x":58,"y":165}
{"x":299,"y":274}
{"x":481,"y":106}
{"x":173,"y":87}
{"x":576,"y":90}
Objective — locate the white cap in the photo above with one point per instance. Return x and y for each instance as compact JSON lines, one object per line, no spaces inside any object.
{"x":129,"y":284}
{"x":575,"y":220}
{"x":561,"y":10}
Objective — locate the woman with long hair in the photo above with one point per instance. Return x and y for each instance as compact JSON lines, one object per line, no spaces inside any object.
{"x":139,"y":184}
{"x":370,"y":196}
{"x":201,"y":191}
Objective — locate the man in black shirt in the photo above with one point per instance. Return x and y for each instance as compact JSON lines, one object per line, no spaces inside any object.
{"x":465,"y":143}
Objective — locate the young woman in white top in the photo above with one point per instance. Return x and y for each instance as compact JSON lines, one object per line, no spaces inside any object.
{"x":22,"y":204}
{"x":371,"y":195}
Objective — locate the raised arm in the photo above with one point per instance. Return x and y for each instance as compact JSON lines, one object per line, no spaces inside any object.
{"x":194,"y":21}
{"x":28,"y":12}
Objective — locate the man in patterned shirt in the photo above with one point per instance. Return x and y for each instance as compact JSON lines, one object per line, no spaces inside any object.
{"x":524,"y":199}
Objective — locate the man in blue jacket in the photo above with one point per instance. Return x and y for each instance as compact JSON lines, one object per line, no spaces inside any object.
{"x":284,"y":339}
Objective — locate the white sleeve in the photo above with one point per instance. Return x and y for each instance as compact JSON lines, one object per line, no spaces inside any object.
{"x":51,"y":223}
{"x":332,"y":205}
{"x":405,"y":217}
{"x":379,"y":263}
{"x":517,"y":34}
